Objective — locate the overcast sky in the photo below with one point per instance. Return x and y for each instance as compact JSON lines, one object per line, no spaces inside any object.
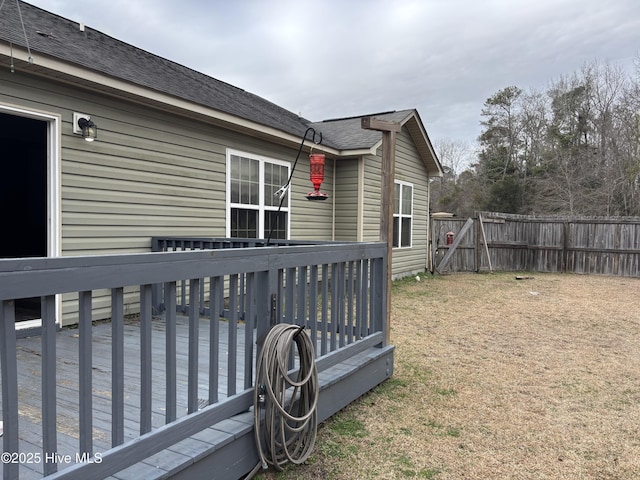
{"x":339,"y":58}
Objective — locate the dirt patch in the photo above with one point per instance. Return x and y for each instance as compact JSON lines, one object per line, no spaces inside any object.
{"x":498,"y":378}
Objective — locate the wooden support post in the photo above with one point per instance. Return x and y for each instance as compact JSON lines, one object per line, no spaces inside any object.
{"x":389,"y":130}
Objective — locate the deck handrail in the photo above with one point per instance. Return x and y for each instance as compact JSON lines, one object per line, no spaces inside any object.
{"x":336,"y":290}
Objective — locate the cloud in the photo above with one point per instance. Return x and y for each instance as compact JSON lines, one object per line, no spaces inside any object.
{"x":340,"y":58}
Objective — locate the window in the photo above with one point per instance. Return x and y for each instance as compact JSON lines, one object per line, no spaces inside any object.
{"x":402,"y":214}
{"x":252,"y":206}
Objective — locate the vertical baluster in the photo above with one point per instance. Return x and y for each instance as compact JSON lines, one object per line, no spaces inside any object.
{"x":313,"y":305}
{"x":365,"y":298}
{"x":335,"y":281}
{"x":233,"y":335}
{"x":49,"y":394}
{"x":243,"y":306}
{"x":145,"y":359}
{"x":350,"y":303}
{"x":85,"y":369}
{"x":325,"y":313}
{"x":9,"y":364}
{"x":249,"y":323}
{"x":183,"y":296}
{"x":341,"y":306}
{"x":359,"y":306}
{"x":117,"y":366}
{"x":170,"y":351}
{"x":302,"y":297}
{"x":194,"y":317}
{"x":264,"y":293}
{"x":279,"y":313}
{"x":202,"y":295}
{"x":290,"y":292}
{"x":216,"y":296}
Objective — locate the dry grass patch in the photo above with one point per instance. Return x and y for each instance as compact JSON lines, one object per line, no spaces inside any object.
{"x":497,"y":378}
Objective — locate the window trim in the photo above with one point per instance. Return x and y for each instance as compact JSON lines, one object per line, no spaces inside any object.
{"x":402,"y":216}
{"x":261,"y":208}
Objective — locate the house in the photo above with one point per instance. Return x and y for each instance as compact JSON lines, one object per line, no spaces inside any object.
{"x":169,"y":140}
{"x":178,"y":154}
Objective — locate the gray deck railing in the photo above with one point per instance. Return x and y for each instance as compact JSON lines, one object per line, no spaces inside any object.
{"x":336,"y":290}
{"x":184,"y":244}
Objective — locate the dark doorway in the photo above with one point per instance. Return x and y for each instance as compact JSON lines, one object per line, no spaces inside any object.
{"x":23,"y":195}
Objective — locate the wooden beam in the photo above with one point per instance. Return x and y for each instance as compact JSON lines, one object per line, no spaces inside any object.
{"x":389,"y":130}
{"x":372,"y":123}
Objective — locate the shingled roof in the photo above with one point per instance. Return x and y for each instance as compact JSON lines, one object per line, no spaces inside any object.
{"x":49,"y":35}
{"x":58,"y":37}
{"x":348,"y":134}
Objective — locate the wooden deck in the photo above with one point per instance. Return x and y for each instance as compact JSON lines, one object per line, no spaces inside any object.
{"x":168,"y":396}
{"x":372,"y":365}
{"x":30,"y":391}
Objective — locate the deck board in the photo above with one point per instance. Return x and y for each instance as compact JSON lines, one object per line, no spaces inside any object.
{"x":67,"y":381}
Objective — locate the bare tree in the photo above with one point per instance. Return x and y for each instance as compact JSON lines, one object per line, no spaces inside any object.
{"x":454,"y":154}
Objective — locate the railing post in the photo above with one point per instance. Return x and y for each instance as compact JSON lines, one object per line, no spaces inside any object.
{"x":263,"y":307}
{"x":380,"y":318}
{"x":117,"y":366}
{"x":156,"y":290}
{"x":8,"y":361}
{"x":85,"y":367}
{"x":192,"y":355}
{"x":49,"y":394}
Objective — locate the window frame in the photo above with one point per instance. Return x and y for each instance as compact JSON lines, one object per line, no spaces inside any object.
{"x":402,"y":217}
{"x":261,"y":207}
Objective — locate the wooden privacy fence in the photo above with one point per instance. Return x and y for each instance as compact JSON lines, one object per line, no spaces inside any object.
{"x":499,"y":241}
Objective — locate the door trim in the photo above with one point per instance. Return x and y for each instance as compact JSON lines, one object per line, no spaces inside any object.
{"x":54,"y":155}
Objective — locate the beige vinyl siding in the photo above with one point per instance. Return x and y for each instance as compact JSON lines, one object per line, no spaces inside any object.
{"x":149,"y":173}
{"x":347,"y":198}
{"x":311,"y":220}
{"x":371,"y":198}
{"x":411,"y":169}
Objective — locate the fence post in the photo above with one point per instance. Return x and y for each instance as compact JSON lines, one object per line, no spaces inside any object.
{"x":565,"y":246}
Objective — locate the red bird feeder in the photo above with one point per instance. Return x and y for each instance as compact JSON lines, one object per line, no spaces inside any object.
{"x":316,"y":173}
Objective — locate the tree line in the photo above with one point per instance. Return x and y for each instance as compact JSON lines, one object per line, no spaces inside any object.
{"x":573,"y":149}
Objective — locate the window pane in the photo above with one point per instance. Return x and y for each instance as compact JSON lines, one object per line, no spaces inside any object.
{"x":396,"y":231}
{"x":234,"y":176}
{"x":275,"y":177}
{"x":407,"y":196}
{"x":396,"y":198}
{"x":235,"y":191}
{"x":406,"y":232}
{"x":276,"y":223}
{"x":245,"y":180}
{"x":244,"y":223}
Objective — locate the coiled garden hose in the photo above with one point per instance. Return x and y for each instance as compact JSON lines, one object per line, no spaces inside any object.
{"x":285,"y":413}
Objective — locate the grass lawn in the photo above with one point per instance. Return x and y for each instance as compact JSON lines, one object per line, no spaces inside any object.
{"x":498,"y":378}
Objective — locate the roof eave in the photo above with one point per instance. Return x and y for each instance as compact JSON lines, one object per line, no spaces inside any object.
{"x":423,"y":143}
{"x":79,"y":76}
